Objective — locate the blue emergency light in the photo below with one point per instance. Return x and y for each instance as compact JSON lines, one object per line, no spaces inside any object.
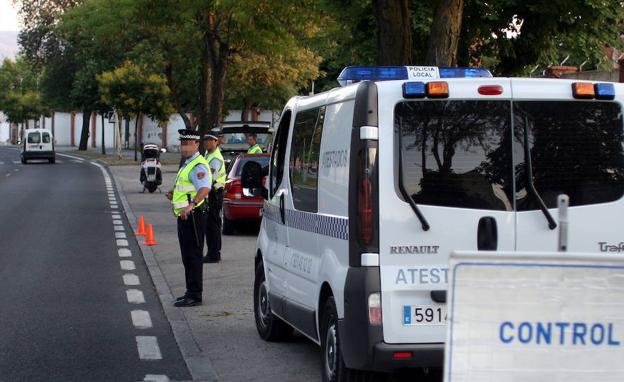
{"x":353,"y":74}
{"x":605,"y":91}
{"x":414,"y":90}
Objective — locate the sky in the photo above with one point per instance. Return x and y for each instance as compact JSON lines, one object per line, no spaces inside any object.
{"x":8,"y":16}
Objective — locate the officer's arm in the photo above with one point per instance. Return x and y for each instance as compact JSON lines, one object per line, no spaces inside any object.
{"x":201,"y":178}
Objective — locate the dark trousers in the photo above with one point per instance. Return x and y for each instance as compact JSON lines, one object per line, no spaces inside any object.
{"x":213,"y":224}
{"x":192,"y":252}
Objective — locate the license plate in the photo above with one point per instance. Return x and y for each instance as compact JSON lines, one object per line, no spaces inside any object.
{"x":424,"y":315}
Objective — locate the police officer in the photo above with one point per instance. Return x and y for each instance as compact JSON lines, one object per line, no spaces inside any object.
{"x":254,"y":147}
{"x":215,"y":198}
{"x":192,"y":185}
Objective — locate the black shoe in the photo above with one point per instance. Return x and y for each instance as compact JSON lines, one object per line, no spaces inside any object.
{"x":180,"y":298}
{"x":187,"y":301}
{"x":210,"y":260}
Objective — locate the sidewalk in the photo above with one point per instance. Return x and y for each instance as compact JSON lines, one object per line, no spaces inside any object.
{"x":218,"y":339}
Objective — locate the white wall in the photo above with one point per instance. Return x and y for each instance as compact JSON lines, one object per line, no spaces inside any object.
{"x":4,"y":129}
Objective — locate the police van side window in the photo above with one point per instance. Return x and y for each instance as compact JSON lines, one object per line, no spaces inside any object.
{"x":279,"y":152}
{"x":304,"y":158}
{"x":456,"y":153}
{"x":576,"y":148}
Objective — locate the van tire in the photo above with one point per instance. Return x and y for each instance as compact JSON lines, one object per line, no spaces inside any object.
{"x":270,"y":327}
{"x":228,"y":226}
{"x":333,"y":368}
{"x":24,"y":161}
{"x":52,"y":160}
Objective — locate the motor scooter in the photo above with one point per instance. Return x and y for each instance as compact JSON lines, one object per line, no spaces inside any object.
{"x":151,"y":174}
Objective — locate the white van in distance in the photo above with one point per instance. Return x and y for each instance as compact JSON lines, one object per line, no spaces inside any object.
{"x":38,"y":144}
{"x":372,"y":185}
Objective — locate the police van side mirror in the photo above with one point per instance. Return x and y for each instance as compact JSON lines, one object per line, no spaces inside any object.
{"x":251,"y":180}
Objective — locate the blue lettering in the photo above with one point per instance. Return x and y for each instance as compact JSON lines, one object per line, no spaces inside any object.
{"x":594,"y":338}
{"x":562,"y":326}
{"x":501,"y":332}
{"x":612,"y":342}
{"x":580,"y":330}
{"x":525,"y":336}
{"x":545,"y":332}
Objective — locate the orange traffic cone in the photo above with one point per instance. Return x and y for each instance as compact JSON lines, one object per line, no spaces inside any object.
{"x":149,"y":239}
{"x":141,"y":230}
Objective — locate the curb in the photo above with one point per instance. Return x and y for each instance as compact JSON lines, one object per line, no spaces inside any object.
{"x":198,"y":363}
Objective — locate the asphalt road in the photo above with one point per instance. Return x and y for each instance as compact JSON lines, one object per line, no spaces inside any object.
{"x":65,"y":314}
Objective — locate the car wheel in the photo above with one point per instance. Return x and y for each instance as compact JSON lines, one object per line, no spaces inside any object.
{"x":270,"y":327}
{"x":24,"y":161}
{"x":227,"y":226}
{"x":333,"y":368}
{"x":52,"y":160}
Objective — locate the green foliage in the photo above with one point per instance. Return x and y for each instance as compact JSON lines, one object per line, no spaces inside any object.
{"x":132,"y":89}
{"x":20,"y":107}
{"x":19,"y":97}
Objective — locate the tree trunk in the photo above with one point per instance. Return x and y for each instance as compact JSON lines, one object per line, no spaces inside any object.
{"x":205,"y":88}
{"x":175,"y":100}
{"x":219,"y":69}
{"x":84,"y":133}
{"x":127,"y":135}
{"x":136,"y":135}
{"x":445,"y":30}
{"x":247,"y":105}
{"x":394,"y":32}
{"x":103,"y":147}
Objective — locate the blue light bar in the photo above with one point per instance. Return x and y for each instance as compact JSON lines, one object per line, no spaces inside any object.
{"x":352,"y":74}
{"x":605,"y":91}
{"x":464,"y":73}
{"x":414,"y":90}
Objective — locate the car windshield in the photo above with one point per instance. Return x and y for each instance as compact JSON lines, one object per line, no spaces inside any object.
{"x":473,"y":154}
{"x":262,"y":160}
{"x":241,"y":139}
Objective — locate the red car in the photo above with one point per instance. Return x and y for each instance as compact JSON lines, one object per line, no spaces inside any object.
{"x":236,"y":206}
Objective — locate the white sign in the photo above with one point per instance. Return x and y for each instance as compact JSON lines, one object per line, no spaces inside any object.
{"x":539,"y":317}
{"x":423,"y":72}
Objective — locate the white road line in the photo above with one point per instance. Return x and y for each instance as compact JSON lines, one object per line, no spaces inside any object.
{"x":116,"y":216}
{"x":148,"y":347}
{"x":135,"y":296}
{"x":117,"y":221}
{"x":118,"y":228}
{"x":16,"y":170}
{"x":141,"y":319}
{"x":131,"y":279}
{"x":127,"y":265}
{"x":122,"y":242}
{"x":76,"y":161}
{"x":114,"y":206}
{"x":59,"y":161}
{"x":156,"y":378}
{"x":124,"y":252}
{"x":72,"y":157}
{"x":1,"y":163}
{"x":9,"y":174}
{"x":16,"y":162}
{"x":120,"y":235}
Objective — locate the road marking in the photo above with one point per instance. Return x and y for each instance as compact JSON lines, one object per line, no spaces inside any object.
{"x":135,"y":296}
{"x":120,"y":235}
{"x":16,"y":162}
{"x":118,"y":228}
{"x":148,"y":347}
{"x":117,"y":221}
{"x":116,"y":216}
{"x":114,"y":205}
{"x":131,"y":279}
{"x":156,"y":378}
{"x":59,"y":161}
{"x":141,"y":319}
{"x":76,"y":161}
{"x":124,"y":252}
{"x":1,"y":162}
{"x":122,"y":243}
{"x":16,"y":170}
{"x":9,"y":174}
{"x":72,"y":157}
{"x":127,"y":265}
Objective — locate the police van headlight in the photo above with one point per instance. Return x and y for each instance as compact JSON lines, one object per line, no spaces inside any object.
{"x":374,"y":308}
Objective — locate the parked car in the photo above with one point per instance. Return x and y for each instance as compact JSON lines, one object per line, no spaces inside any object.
{"x":235,"y":137}
{"x":239,"y":206}
{"x":38,"y":144}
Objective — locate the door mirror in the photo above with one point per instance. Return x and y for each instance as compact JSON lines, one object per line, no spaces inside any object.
{"x":251,"y":180}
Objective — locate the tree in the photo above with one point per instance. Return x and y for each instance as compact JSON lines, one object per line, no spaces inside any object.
{"x":445,"y":32}
{"x":394,"y":32}
{"x":133,"y":90}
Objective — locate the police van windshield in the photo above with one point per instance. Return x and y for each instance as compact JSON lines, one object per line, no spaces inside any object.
{"x":471,"y":154}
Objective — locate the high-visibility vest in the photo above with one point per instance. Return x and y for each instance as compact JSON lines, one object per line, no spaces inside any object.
{"x":184,"y":186}
{"x":219,"y":178}
{"x":256,"y":149}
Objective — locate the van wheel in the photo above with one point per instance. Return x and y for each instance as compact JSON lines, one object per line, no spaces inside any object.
{"x":333,"y":368}
{"x":52,"y":160}
{"x":24,"y":161}
{"x":270,"y":327}
{"x":227,"y":226}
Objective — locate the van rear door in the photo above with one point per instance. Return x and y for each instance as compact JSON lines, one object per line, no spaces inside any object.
{"x":574,"y":147}
{"x":47,"y":143}
{"x":449,"y":160}
{"x":33,"y":141}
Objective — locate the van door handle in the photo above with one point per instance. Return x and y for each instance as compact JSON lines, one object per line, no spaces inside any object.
{"x":487,"y":234}
{"x":282,"y":205}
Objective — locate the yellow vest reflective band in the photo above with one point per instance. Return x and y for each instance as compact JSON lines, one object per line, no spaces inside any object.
{"x":184,"y":186}
{"x":256,"y":149}
{"x":219,"y":178}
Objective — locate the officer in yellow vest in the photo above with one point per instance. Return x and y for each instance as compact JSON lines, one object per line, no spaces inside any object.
{"x":215,"y":198}
{"x":254,"y":147}
{"x":192,"y":185}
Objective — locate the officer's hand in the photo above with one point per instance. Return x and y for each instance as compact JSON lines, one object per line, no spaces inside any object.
{"x":186,"y":212}
{"x":170,"y":195}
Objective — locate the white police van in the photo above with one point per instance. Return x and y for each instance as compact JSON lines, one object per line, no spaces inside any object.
{"x":38,"y":144}
{"x":373,"y":184}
